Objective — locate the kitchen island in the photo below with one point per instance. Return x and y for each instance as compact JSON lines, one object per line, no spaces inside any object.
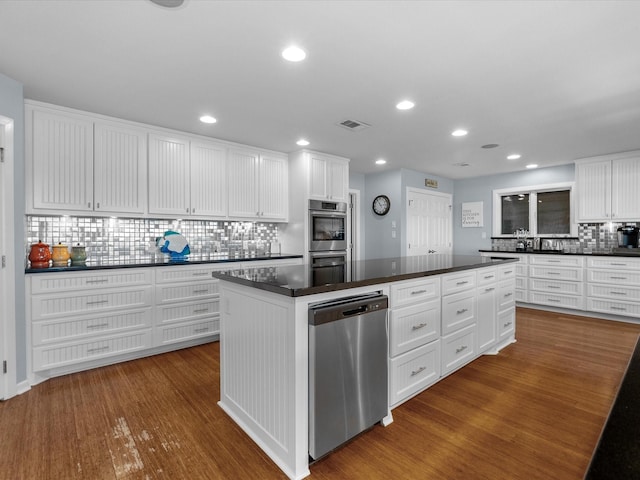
{"x":444,"y":311}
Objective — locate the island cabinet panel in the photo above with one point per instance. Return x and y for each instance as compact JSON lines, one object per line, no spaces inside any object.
{"x":413,"y":326}
{"x":487,"y":308}
{"x":458,"y":349}
{"x":413,"y":371}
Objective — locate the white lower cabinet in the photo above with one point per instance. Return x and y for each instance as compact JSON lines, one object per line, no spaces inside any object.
{"x":613,"y":285}
{"x":458,"y":348}
{"x":413,"y":371}
{"x":487,"y":308}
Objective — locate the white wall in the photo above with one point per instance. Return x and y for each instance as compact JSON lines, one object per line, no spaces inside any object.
{"x":467,"y":241}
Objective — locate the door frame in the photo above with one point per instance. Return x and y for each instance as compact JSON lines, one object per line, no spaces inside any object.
{"x":8,"y":386}
{"x":355,"y":228}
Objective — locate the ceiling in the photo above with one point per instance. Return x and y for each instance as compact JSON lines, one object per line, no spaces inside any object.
{"x":551,"y":80}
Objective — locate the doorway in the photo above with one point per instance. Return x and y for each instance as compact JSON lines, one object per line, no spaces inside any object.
{"x":429,"y":222}
{"x":7,"y":265}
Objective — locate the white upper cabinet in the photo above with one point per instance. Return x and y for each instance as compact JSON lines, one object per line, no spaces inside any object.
{"x":119,"y":167}
{"x":169,"y":175}
{"x":607,"y":188}
{"x":329,"y":177}
{"x":60,"y":166}
{"x":208,"y":179}
{"x":258,"y":185}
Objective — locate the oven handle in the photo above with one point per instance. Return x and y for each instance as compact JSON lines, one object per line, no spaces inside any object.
{"x":320,"y":213}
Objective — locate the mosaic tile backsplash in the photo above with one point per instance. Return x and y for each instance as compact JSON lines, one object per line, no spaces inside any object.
{"x":112,"y":239}
{"x":592,"y":237}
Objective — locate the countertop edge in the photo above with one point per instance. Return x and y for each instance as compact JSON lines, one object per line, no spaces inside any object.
{"x":560,"y":252}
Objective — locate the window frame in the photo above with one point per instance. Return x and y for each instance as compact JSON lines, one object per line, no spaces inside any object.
{"x":533,"y":191}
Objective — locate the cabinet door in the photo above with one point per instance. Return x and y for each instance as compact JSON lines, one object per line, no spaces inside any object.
{"x":317,"y":177}
{"x":487,"y":317}
{"x":338,"y":180}
{"x":208,"y":179}
{"x":625,"y":178}
{"x":274,"y":187}
{"x":168,"y":175}
{"x":243,"y":183}
{"x":62,"y":161}
{"x":120,"y":169}
{"x":594,"y":191}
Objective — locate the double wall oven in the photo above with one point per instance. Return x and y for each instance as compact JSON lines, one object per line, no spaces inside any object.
{"x":327,"y":241}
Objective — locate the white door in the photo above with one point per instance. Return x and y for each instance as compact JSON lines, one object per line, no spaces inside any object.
{"x":2,"y":280}
{"x":429,"y":221}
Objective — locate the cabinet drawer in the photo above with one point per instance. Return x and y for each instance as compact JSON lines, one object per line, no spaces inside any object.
{"x":506,"y":323}
{"x":564,"y":301}
{"x":614,"y":263}
{"x":506,"y":295}
{"x":65,"y":282}
{"x":618,"y":277}
{"x":613,"y":307}
{"x":412,"y":291}
{"x":507,"y":272}
{"x":66,"y":329}
{"x":413,"y":326}
{"x":522,"y":270}
{"x":51,"y":306}
{"x":185,"y":291}
{"x":458,"y":282}
{"x":557,"y":260}
{"x":573,"y":274}
{"x":52,"y":356}
{"x":486,"y":276}
{"x":190,"y":273}
{"x":566,"y":288}
{"x":187,"y":331}
{"x":458,"y":348}
{"x":522,"y":295}
{"x":614,"y":292}
{"x":188,"y":311}
{"x":413,"y":371}
{"x":458,"y":310}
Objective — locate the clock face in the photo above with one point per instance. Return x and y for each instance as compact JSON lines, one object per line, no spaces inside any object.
{"x":381,"y":205}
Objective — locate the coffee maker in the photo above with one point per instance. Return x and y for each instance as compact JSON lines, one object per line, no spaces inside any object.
{"x":628,"y":237}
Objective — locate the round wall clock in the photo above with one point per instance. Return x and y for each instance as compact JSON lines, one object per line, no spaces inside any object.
{"x":381,"y":205}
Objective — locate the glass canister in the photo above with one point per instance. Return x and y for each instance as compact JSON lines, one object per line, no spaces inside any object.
{"x":78,"y":256}
{"x":60,"y":255}
{"x":39,"y":255}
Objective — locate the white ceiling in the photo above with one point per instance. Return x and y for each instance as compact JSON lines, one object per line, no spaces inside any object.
{"x":552,"y":80}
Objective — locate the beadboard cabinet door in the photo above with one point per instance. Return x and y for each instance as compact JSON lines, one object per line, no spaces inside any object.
{"x":169,"y":174}
{"x":120,"y":168}
{"x":208,"y":179}
{"x":329,"y":177}
{"x":60,"y":146}
{"x":274,"y":187}
{"x":625,"y":178}
{"x":243,"y":183}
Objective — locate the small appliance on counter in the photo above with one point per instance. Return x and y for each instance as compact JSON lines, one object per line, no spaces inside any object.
{"x":39,"y":255}
{"x":521,"y":239}
{"x":78,"y":256}
{"x":60,"y":255}
{"x":628,"y":237}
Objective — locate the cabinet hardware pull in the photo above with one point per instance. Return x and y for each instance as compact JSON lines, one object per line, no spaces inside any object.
{"x":99,"y":349}
{"x":489,"y":289}
{"x":88,"y":204}
{"x":200,"y":330}
{"x":618,"y":293}
{"x":553,"y":261}
{"x":461,"y":349}
{"x":104,"y":280}
{"x":418,"y":292}
{"x":418,"y":327}
{"x":508,"y":272}
{"x":201,"y":291}
{"x":460,"y":312}
{"x":553,"y":300}
{"x":201,"y":310}
{"x":507,"y":324}
{"x":199,"y":274}
{"x":553,"y":286}
{"x":553,"y":273}
{"x":97,"y":302}
{"x":490,"y":276}
{"x":618,"y":264}
{"x":462,"y":283}
{"x":613,"y":307}
{"x":98,"y":325}
{"x":416,"y":372}
{"x":508,"y":294}
{"x":618,"y":278}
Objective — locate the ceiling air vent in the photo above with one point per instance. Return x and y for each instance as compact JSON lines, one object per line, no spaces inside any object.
{"x":353,"y":125}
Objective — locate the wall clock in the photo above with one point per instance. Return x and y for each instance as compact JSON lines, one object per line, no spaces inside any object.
{"x":381,"y":205}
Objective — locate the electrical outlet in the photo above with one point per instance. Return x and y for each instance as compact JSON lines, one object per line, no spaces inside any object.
{"x":393,"y":234}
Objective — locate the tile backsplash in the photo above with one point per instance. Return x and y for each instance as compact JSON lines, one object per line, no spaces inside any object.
{"x":111,"y":239}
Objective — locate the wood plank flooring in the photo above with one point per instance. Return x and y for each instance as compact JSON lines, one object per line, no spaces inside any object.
{"x":535,"y":411}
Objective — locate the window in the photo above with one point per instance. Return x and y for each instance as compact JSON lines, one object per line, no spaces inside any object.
{"x":542,"y":210}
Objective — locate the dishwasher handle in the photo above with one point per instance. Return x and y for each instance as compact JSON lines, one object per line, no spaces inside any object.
{"x":355,"y":311}
{"x":347,"y":307}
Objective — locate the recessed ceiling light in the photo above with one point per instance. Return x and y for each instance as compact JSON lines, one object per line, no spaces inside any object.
{"x":405,"y":105}
{"x":294,"y":54}
{"x":532,"y":165}
{"x":490,"y":145}
{"x":302,"y":142}
{"x":208,"y":119}
{"x":459,"y":133}
{"x":514,"y":156}
{"x":381,"y":161}
{"x":168,"y":3}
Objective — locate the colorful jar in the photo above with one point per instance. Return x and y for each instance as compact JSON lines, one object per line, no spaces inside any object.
{"x":40,"y":255}
{"x":78,"y":256}
{"x":60,"y":255}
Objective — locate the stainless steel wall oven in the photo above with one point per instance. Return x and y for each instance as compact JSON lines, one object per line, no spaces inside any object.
{"x":327,"y":226}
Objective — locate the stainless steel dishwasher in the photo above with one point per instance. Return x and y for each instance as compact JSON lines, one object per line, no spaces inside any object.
{"x":348,"y":371}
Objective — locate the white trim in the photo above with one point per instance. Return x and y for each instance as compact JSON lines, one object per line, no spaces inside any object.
{"x":548,"y":187}
{"x":8,"y":387}
{"x":357,"y":247}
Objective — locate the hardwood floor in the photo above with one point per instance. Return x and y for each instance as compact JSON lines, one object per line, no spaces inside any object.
{"x":535,"y":411}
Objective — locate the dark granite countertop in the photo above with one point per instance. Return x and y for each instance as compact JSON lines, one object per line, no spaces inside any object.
{"x":615,"y":252}
{"x":164,"y":260}
{"x":298,"y":280}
